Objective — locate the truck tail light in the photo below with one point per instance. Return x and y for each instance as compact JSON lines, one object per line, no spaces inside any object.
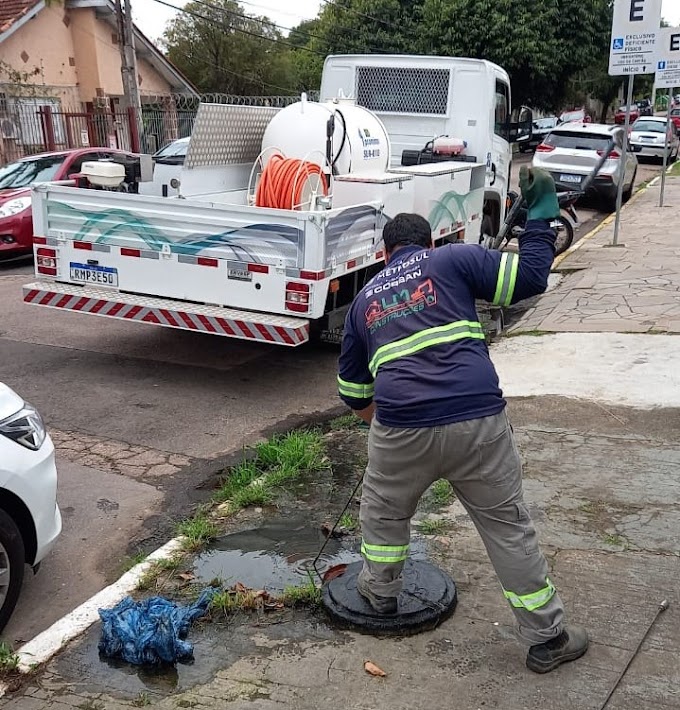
{"x":46,"y":261}
{"x":544,"y":148}
{"x":297,"y":297}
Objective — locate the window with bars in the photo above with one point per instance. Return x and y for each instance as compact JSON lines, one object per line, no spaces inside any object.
{"x":403,"y":89}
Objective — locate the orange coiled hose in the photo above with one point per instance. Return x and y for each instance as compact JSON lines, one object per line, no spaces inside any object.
{"x":283,"y":180}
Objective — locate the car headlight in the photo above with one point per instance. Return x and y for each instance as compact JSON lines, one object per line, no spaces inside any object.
{"x":26,"y":427}
{"x":15,"y":206}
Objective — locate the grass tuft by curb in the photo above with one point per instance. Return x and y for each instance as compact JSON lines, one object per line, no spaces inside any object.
{"x":197,"y":531}
{"x":441,"y":492}
{"x":8,"y":659}
{"x":431,"y":526}
{"x":302,"y":595}
{"x":280,"y":460}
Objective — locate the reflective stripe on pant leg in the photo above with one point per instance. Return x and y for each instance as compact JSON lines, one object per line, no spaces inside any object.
{"x":532,"y":601}
{"x":388,"y":554}
{"x":485,"y":470}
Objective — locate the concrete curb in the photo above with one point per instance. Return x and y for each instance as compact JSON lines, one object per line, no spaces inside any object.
{"x":604,"y":223}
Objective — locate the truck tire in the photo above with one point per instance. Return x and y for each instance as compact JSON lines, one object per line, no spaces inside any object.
{"x":12,"y":561}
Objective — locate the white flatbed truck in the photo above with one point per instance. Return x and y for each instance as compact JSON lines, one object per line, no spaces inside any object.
{"x":214,"y":260}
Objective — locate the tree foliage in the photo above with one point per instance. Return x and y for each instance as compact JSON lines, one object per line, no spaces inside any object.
{"x":220,"y":48}
{"x":554,"y":50}
{"x":542,"y":44}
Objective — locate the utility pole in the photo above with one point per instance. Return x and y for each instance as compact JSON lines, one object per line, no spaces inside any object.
{"x":128,"y":69}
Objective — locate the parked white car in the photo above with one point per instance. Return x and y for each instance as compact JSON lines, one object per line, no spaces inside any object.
{"x":571,"y":151}
{"x":647,"y":138}
{"x":30,"y":521}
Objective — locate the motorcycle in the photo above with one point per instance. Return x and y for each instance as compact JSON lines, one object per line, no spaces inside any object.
{"x":563,"y":225}
{"x":516,"y":214}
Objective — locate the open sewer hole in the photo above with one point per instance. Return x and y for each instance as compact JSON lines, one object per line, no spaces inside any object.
{"x":274,"y":556}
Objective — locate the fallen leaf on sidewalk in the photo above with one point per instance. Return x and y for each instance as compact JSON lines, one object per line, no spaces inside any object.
{"x":187,"y":576}
{"x":372,"y":669}
{"x":240,"y":588}
{"x":333,"y":572}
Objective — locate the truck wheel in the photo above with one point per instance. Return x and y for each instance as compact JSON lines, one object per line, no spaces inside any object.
{"x":12,"y":561}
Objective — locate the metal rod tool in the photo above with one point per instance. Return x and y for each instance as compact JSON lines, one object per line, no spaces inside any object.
{"x":661,"y":608}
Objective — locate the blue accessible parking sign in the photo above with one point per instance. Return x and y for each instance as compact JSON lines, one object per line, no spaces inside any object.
{"x":618,"y":43}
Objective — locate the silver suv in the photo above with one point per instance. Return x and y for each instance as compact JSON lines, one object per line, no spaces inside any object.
{"x":570,"y":152}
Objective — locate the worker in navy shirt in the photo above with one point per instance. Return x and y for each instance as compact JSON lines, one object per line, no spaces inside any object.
{"x":415,"y":366}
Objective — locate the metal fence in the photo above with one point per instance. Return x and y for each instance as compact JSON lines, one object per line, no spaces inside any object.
{"x":36,"y":125}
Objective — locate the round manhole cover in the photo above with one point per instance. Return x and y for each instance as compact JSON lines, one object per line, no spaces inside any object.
{"x":428,"y":597}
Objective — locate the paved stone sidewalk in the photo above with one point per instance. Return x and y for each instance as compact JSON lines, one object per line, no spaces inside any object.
{"x":627,"y":289}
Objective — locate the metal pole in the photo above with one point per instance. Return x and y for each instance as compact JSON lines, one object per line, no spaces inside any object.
{"x":671,"y":127}
{"x":619,"y":194}
{"x":128,"y":56}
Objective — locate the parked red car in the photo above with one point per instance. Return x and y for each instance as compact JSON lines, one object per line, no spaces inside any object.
{"x":620,"y":115}
{"x":675,"y":117}
{"x":16,"y":219}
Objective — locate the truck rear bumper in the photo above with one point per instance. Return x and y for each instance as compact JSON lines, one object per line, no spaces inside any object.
{"x":214,"y":320}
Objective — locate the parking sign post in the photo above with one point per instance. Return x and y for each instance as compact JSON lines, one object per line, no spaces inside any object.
{"x":635,"y":29}
{"x":668,"y":77}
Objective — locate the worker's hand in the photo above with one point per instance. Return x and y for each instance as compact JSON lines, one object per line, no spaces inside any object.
{"x":538,"y":189}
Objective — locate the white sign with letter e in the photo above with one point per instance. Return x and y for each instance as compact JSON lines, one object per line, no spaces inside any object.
{"x":635,"y":30}
{"x":668,"y":59}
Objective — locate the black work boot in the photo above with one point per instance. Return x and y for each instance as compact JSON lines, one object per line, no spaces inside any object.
{"x":386,"y":606}
{"x":571,"y":644}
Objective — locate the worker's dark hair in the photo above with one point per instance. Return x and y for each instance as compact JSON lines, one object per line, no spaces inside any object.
{"x":406,"y":229}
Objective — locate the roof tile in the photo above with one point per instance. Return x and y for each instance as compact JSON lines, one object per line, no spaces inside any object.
{"x":13,"y":10}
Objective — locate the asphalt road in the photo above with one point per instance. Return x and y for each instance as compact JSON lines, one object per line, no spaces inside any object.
{"x":141,"y":417}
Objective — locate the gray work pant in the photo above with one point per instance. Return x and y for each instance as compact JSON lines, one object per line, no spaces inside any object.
{"x":480,"y":459}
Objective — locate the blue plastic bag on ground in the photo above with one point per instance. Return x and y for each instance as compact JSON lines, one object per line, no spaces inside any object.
{"x":152,"y":631}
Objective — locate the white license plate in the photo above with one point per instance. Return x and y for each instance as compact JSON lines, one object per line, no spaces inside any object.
{"x":89,"y":274}
{"x":576,"y":179}
{"x":240,"y":274}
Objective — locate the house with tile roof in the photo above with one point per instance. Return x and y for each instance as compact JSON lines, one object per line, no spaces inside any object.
{"x":63,"y":57}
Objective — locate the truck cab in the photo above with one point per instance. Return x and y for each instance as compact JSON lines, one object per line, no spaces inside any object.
{"x":419,"y":98}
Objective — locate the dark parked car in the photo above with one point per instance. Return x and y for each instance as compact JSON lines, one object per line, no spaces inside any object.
{"x":539,"y":130}
{"x":645,"y":107}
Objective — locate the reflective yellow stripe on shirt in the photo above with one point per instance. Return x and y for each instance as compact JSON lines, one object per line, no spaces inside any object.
{"x":388,"y":554}
{"x":355,"y":390}
{"x":507,"y":276}
{"x":532,"y":601}
{"x":425,"y":339}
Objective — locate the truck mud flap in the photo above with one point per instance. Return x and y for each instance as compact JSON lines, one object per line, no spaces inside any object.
{"x":213,"y":320}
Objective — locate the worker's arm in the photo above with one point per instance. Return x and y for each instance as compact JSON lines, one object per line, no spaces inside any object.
{"x":503,"y":278}
{"x":355,"y":382}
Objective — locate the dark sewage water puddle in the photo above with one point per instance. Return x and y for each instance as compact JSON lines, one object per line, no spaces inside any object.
{"x":274,"y":556}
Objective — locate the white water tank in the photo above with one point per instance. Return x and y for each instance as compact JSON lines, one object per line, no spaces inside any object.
{"x":360,"y":142}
